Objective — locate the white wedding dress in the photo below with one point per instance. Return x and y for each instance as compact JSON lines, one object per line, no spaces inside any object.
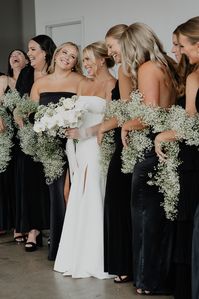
{"x":81,"y":252}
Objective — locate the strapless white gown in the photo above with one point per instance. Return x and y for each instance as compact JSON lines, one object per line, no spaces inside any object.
{"x":81,"y":251}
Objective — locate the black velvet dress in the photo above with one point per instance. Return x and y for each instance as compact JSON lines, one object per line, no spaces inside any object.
{"x":7,"y":192}
{"x":32,"y":193}
{"x":195,"y":256}
{"x":117,"y":215}
{"x":56,"y":189}
{"x":188,"y":202}
{"x":152,"y":232}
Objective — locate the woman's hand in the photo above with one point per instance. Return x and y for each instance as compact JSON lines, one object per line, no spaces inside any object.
{"x":126,"y":128}
{"x":100,"y":134}
{"x":158,"y":149}
{"x":2,"y":125}
{"x":18,"y":120}
{"x":73,"y":133}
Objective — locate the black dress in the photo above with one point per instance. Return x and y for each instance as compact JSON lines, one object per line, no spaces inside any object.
{"x":195,"y":256}
{"x":7,"y":194}
{"x":32,"y":193}
{"x":56,"y":189}
{"x":152,"y":232}
{"x":117,"y":216}
{"x":188,"y":201}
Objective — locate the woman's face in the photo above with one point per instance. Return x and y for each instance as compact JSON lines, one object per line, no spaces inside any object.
{"x":17,"y":60}
{"x":91,"y":64}
{"x":189,"y":49}
{"x":66,"y":58}
{"x":176,"y":48}
{"x":36,"y":54}
{"x":113,"y":49}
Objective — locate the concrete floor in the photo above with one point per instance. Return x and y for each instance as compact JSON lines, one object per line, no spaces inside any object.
{"x":26,"y":275}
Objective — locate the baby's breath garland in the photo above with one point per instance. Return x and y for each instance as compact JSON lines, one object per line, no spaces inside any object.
{"x":51,"y":154}
{"x":5,"y":139}
{"x":117,"y":109}
{"x":166,"y":177}
{"x":25,"y":107}
{"x":185,"y":126}
{"x":166,"y":174}
{"x":10,"y":99}
{"x":138,"y":140}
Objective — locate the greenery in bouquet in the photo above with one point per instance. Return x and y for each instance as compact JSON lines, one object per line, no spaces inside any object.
{"x":25,"y":107}
{"x":51,"y":154}
{"x":5,"y":139}
{"x":50,"y":124}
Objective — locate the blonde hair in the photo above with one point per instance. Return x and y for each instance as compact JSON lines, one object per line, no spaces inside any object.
{"x":99,"y":50}
{"x":138,"y":45}
{"x":116,"y":31}
{"x":77,"y":67}
{"x":190,"y":29}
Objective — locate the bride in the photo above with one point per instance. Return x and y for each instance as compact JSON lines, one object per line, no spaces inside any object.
{"x":80,"y":252}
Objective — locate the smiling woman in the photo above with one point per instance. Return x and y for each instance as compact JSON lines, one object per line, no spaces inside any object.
{"x":17,"y":60}
{"x":32,"y":195}
{"x":80,"y":252}
{"x":65,"y":75}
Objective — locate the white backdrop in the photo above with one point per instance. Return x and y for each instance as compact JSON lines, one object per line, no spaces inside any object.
{"x":99,"y":15}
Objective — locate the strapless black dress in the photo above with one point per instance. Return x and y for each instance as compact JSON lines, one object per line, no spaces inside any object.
{"x":152,"y":232}
{"x":117,"y":214}
{"x":32,"y":193}
{"x":188,"y":202}
{"x":7,"y":192}
{"x":56,"y":189}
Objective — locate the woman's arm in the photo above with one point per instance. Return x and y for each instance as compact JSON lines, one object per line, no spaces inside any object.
{"x":148,"y":85}
{"x":34,"y":93}
{"x":82,"y":133}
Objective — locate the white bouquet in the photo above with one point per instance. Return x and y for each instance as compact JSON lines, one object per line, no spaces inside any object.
{"x":55,"y":118}
{"x":42,"y":142}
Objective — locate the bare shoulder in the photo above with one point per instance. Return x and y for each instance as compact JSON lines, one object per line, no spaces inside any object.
{"x":121,"y":73}
{"x":193,"y":78}
{"x":149,"y":66}
{"x":78,"y":77}
{"x":110,"y":83}
{"x":43,"y":80}
{"x":4,"y":79}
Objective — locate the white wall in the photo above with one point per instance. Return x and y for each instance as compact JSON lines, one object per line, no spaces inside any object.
{"x":163,"y":16}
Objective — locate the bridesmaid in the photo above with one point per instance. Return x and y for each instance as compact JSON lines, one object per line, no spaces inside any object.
{"x":154,"y":75}
{"x":188,"y":172}
{"x":117,"y":216}
{"x":65,"y":75}
{"x":17,"y":60}
{"x":32,"y":194}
